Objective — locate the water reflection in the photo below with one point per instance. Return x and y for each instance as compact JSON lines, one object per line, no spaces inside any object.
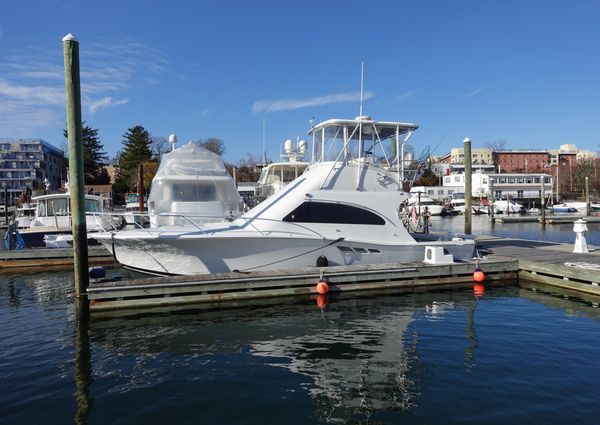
{"x":83,"y":367}
{"x":360,"y":354}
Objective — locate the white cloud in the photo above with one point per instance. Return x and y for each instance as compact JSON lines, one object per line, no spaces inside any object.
{"x":470,"y":94}
{"x":32,"y":94}
{"x":32,"y":81}
{"x":105,"y":103}
{"x":266,"y":106}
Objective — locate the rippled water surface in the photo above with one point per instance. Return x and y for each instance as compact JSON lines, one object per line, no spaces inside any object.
{"x":513,"y":356}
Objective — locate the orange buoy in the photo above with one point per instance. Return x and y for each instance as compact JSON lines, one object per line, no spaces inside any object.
{"x":322,"y":287}
{"x":479,"y":289}
{"x":322,"y":301}
{"x":478,"y":276}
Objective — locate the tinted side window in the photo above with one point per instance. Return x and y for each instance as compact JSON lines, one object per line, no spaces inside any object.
{"x":322,"y":212}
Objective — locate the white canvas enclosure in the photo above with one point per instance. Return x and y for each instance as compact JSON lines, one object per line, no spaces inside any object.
{"x":192,"y":181}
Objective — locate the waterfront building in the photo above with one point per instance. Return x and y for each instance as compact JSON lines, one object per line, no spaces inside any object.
{"x":522,"y":186}
{"x":29,"y":163}
{"x":521,"y":161}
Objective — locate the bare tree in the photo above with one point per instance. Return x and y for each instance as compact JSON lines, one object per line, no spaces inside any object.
{"x":497,"y":145}
{"x":214,"y":145}
{"x":158,"y":146}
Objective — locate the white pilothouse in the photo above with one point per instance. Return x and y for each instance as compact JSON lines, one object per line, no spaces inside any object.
{"x":343,"y":210}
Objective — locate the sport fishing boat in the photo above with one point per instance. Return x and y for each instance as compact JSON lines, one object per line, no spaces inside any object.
{"x":343,"y":210}
{"x":420,"y":202}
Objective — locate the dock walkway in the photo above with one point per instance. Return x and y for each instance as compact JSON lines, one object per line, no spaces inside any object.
{"x":549,"y":263}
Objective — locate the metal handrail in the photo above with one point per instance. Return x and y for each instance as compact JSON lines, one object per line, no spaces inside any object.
{"x":247,"y":221}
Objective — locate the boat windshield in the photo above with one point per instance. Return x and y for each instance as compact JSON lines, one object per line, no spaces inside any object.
{"x":360,"y":139}
{"x":51,"y":207}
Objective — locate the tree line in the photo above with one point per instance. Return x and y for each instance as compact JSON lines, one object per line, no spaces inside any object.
{"x":141,"y":147}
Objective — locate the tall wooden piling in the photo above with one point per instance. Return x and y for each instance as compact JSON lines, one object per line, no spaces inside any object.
{"x":76,"y":173}
{"x":468,"y":186}
{"x":543,"y":200}
{"x":588,"y":207}
{"x":491,"y":205}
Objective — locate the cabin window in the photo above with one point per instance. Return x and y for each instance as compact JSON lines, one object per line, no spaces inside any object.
{"x":57,"y":207}
{"x":374,"y":251}
{"x":91,"y":205}
{"x":345,"y":248}
{"x":323,"y":212}
{"x":361,"y":250}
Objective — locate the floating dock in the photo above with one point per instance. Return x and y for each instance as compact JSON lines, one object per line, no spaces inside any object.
{"x":181,"y":290}
{"x":46,"y":259}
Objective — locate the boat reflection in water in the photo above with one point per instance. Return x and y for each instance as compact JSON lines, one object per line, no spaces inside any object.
{"x":360,"y":355}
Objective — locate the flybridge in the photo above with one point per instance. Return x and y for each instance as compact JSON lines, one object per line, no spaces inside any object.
{"x":362,"y":140}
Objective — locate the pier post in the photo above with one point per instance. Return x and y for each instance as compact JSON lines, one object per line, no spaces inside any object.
{"x":76,"y":182}
{"x":140,"y":187}
{"x":491,"y":205}
{"x":6,"y":207}
{"x":543,"y":200}
{"x":588,"y":207}
{"x":468,"y":186}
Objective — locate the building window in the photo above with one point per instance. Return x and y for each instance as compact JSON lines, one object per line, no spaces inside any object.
{"x":519,"y":194}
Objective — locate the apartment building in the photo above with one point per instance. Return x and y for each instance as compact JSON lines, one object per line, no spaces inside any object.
{"x":29,"y":163}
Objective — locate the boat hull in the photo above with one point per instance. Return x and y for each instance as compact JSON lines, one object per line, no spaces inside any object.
{"x":186,"y":256}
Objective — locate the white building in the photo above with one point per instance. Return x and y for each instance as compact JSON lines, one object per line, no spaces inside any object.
{"x":516,"y":185}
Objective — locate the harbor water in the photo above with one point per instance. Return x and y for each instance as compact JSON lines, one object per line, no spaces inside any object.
{"x":514,"y":355}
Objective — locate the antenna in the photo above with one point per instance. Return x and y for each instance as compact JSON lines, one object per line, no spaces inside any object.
{"x":362,"y":83}
{"x":264,"y":152}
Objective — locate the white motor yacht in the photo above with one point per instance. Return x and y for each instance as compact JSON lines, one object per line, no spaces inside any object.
{"x":277,"y":175}
{"x":53,"y":216}
{"x":343,"y":210}
{"x":420,"y":202}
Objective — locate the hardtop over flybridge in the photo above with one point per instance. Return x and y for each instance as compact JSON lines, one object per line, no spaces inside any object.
{"x":343,"y":210}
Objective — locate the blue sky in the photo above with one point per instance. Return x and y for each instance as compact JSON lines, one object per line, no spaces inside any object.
{"x":524,"y":71}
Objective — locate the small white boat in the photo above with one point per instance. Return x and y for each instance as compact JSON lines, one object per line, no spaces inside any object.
{"x":457,"y":202}
{"x":422,"y":202}
{"x":53,"y":216}
{"x":501,"y":206}
{"x":564,"y":208}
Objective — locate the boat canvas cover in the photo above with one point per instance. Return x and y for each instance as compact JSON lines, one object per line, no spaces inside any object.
{"x":192,"y":180}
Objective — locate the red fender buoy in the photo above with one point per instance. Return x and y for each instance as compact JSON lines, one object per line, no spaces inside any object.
{"x":322,"y":287}
{"x":478,"y":276}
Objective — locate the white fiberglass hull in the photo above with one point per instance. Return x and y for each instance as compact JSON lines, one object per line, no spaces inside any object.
{"x":201,"y":255}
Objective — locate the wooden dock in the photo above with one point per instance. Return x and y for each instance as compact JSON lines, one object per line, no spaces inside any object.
{"x":46,"y":259}
{"x":548,"y":263}
{"x":550,"y":219}
{"x":185,"y":290}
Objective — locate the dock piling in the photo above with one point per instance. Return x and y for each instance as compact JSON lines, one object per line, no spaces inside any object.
{"x":76,"y":172}
{"x":468,"y":186}
{"x":543,"y":201}
{"x":588,"y":207}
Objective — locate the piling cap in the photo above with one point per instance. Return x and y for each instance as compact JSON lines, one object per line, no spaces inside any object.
{"x":69,"y":37}
{"x":467,"y":140}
